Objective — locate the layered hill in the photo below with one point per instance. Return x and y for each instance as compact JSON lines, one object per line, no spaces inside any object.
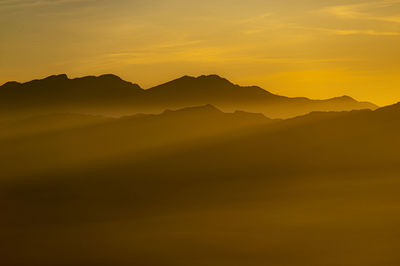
{"x":162,"y":189}
{"x":196,"y":186}
{"x":64,"y":140}
{"x":110,"y":95}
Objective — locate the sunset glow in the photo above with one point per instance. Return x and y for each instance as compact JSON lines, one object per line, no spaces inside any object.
{"x":311,"y":48}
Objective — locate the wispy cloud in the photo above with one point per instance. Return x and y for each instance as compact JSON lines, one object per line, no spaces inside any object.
{"x":254,"y":19}
{"x":364,"y":11}
{"x":351,"y":31}
{"x":37,"y":3}
{"x":363,"y":32}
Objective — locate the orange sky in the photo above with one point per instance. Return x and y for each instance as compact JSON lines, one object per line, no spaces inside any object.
{"x":313,"y":48}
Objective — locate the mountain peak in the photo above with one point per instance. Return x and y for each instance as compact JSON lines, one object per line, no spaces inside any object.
{"x":211,"y":77}
{"x":204,"y":78}
{"x":57,"y":77}
{"x":110,"y":77}
{"x":214,"y":78}
{"x":208,"y":108}
{"x":11,"y":84}
{"x":345,"y":98}
{"x":199,"y":84}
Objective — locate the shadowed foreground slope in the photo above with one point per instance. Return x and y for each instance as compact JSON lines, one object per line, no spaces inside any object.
{"x":315,"y":190}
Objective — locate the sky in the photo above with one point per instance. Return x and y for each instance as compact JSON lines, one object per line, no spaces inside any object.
{"x":313,"y":48}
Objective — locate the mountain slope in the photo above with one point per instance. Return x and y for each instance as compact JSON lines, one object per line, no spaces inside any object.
{"x":76,"y":139}
{"x":35,"y":125}
{"x":313,"y":190}
{"x":228,"y":96}
{"x":110,"y":95}
{"x":95,"y":95}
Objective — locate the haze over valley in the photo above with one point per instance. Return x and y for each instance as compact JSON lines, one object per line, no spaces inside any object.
{"x":199,"y":133}
{"x":205,"y":184}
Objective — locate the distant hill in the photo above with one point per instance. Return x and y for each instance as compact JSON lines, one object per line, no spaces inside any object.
{"x":36,"y":125}
{"x":63,"y":140}
{"x":110,"y":95}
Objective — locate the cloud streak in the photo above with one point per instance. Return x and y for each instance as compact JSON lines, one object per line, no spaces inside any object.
{"x":37,"y":3}
{"x":351,"y":31}
{"x":364,"y":11}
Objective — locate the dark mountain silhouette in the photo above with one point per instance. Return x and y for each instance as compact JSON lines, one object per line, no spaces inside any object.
{"x":60,"y":94}
{"x":79,"y":89}
{"x":110,"y":95}
{"x":228,"y":96}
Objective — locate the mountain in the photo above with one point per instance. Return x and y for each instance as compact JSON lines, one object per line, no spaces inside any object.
{"x":36,"y":125}
{"x":60,"y":141}
{"x":58,"y":93}
{"x":198,"y":186}
{"x":228,"y":96}
{"x":110,"y":95}
{"x":57,"y":87}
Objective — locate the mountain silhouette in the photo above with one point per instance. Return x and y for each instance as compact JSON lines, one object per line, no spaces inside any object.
{"x":110,"y":95}
{"x":58,"y":93}
{"x":228,"y":96}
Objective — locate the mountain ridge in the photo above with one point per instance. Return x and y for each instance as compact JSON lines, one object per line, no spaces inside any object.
{"x":109,"y":94}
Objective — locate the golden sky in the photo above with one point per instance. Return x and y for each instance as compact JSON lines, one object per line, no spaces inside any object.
{"x":313,"y":48}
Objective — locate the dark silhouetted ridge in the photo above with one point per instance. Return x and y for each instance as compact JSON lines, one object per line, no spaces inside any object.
{"x":205,"y":84}
{"x":110,"y":95}
{"x":11,"y":84}
{"x":54,"y":79}
{"x":58,"y":93}
{"x":57,"y":77}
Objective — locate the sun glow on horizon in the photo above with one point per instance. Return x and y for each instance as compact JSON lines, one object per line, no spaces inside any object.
{"x":312,"y":48}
